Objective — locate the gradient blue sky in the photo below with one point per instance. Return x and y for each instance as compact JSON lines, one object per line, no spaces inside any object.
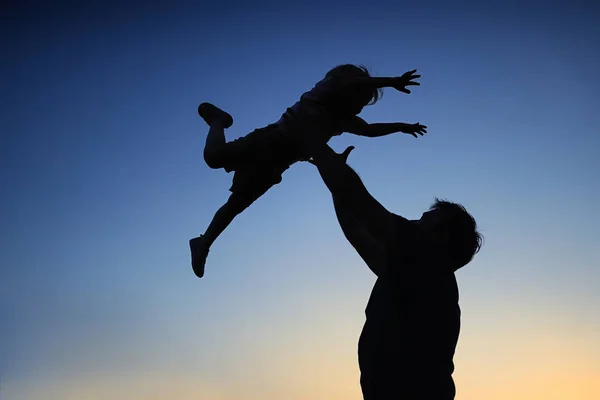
{"x":103,"y":184}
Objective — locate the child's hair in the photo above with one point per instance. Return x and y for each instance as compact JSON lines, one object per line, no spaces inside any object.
{"x":461,"y":229}
{"x":354,"y":71}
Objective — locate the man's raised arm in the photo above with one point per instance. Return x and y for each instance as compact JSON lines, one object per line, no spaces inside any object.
{"x":368,"y":248}
{"x":348,"y":190}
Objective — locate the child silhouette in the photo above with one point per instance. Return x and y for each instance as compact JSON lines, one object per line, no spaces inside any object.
{"x":259,"y":159}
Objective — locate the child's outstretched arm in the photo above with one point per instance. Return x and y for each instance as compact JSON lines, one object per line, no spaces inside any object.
{"x":399,"y":83}
{"x":360,"y":127}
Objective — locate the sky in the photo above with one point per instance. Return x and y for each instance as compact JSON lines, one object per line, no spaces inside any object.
{"x":103,"y":184}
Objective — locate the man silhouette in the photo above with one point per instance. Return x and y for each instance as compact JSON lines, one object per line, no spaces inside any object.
{"x":407,"y":345}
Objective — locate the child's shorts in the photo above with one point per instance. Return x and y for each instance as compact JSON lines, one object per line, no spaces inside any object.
{"x":269,"y":145}
{"x":259,"y":160}
{"x":254,"y":180}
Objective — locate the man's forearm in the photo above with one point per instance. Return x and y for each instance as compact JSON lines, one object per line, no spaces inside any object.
{"x":341,"y":180}
{"x":346,"y":186}
{"x":383,"y":129}
{"x":371,"y":251}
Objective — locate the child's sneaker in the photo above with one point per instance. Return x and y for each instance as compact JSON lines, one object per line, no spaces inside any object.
{"x":211,"y":113}
{"x":199,"y":253}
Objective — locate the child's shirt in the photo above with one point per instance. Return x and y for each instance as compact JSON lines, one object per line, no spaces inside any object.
{"x":322,"y":108}
{"x":314,"y":109}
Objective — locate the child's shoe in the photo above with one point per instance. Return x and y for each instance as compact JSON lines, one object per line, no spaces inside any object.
{"x":211,"y":113}
{"x":199,"y":253}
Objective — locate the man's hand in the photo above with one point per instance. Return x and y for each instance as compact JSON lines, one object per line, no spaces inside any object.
{"x":343,"y":156}
{"x":414,"y":129}
{"x":400,"y":83}
{"x":349,"y":191}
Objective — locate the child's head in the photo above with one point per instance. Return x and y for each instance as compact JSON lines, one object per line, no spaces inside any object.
{"x":451,"y":223}
{"x":349,"y":71}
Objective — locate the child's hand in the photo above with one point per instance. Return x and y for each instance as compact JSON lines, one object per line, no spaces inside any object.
{"x":405,"y":80}
{"x":414,"y":129}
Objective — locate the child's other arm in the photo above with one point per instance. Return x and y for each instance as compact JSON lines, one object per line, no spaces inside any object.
{"x":360,"y":127}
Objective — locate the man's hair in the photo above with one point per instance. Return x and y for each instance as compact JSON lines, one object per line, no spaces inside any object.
{"x":345,"y":71}
{"x":459,"y":229}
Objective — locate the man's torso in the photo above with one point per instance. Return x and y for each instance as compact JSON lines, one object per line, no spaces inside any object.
{"x":410,"y":334}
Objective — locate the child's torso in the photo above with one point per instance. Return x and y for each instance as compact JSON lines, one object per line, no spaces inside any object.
{"x":320,"y":109}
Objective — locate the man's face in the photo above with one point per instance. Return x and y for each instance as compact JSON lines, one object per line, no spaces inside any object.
{"x":430,"y":219}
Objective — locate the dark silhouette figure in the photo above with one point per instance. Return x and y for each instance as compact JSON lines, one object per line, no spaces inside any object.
{"x":260,"y":158}
{"x":407,"y":345}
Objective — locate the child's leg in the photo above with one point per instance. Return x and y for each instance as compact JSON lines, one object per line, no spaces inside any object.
{"x":215,"y":146}
{"x":250,"y":149}
{"x":247,"y":188}
{"x":218,"y":120}
{"x":200,"y":246}
{"x":234,"y":206}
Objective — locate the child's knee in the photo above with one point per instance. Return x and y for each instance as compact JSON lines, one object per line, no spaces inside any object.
{"x":213,"y":159}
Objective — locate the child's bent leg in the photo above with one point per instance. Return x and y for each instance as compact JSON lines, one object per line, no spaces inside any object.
{"x":255,"y":147}
{"x":218,"y":120}
{"x":215,"y":146}
{"x":218,"y":153}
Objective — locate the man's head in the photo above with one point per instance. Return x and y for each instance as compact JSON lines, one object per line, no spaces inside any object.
{"x":452,"y":224}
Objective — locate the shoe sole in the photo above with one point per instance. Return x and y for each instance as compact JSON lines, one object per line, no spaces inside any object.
{"x":198,"y":271}
{"x":212,"y":109}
